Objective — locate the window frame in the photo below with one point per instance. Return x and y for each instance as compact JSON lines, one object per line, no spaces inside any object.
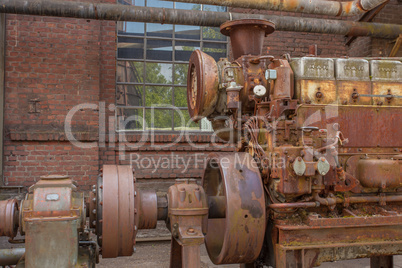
{"x":145,"y":37}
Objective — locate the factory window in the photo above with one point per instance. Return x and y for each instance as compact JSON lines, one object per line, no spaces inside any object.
{"x":152,"y":62}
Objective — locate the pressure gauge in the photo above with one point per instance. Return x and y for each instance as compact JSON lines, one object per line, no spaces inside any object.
{"x":259,"y":90}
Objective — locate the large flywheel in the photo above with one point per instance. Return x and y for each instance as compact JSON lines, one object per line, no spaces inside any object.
{"x":233,"y":185}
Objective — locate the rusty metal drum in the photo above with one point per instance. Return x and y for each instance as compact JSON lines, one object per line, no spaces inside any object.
{"x":118,"y":225}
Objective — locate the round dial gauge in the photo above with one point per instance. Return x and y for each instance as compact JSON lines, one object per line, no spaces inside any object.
{"x":259,"y":90}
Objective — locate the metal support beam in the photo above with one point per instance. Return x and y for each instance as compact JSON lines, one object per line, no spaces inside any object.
{"x":117,"y":12}
{"x":2,"y":88}
{"x":395,"y":48}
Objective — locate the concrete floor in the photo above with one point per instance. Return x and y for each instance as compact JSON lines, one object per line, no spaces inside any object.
{"x":157,"y":255}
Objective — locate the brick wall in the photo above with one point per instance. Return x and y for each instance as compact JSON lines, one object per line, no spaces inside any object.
{"x":54,"y":64}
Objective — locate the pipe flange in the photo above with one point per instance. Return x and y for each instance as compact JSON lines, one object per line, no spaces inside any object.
{"x":9,"y":218}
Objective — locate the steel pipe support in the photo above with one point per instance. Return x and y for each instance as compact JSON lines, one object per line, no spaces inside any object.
{"x":115,"y":12}
{"x":187,"y":217}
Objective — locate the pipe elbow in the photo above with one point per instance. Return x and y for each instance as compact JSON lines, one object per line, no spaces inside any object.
{"x":328,"y":201}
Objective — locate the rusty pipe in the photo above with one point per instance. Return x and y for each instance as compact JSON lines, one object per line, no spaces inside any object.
{"x":115,"y":12}
{"x":372,"y":199}
{"x":328,"y":201}
{"x":11,"y":256}
{"x":162,"y":204}
{"x":294,"y":205}
{"x":148,"y":209}
{"x":351,"y":200}
{"x":318,"y":7}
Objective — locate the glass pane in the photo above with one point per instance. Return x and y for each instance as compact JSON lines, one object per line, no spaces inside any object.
{"x":130,"y":28}
{"x":215,"y":50}
{"x":159,"y":50}
{"x":158,"y":73}
{"x":130,"y":48}
{"x":160,"y":30}
{"x":180,"y":96}
{"x":130,"y":71}
{"x":158,"y":96}
{"x":188,"y":6}
{"x":138,"y":2}
{"x":184,"y":49}
{"x":180,"y":74}
{"x":129,"y":95}
{"x":130,"y":119}
{"x":187,"y":32}
{"x":158,"y":3}
{"x":214,"y":8}
{"x":182,"y":121}
{"x":124,"y":2}
{"x":212,"y":33}
{"x":205,"y":125}
{"x":132,"y":2}
{"x":158,"y":119}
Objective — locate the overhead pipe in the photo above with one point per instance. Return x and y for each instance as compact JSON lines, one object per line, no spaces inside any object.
{"x":318,"y":7}
{"x":116,"y":12}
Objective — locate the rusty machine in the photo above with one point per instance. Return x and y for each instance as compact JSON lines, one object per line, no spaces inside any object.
{"x":315,"y":175}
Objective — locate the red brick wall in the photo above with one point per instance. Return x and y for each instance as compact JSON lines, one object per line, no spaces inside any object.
{"x":55,"y":63}
{"x":27,"y":161}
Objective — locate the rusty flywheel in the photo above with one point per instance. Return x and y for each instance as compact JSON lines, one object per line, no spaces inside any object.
{"x":237,"y":237}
